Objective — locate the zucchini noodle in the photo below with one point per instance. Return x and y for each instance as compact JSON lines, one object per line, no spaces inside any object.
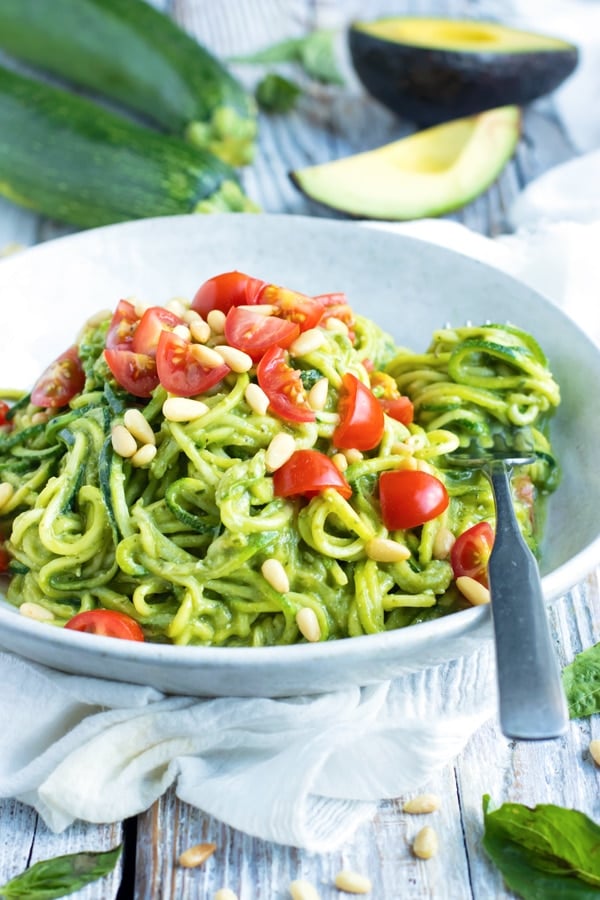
{"x":178,"y":543}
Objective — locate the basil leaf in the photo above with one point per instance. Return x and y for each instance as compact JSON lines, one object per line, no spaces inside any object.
{"x":62,"y":875}
{"x":276,"y":94}
{"x":581,"y":681}
{"x":545,"y":851}
{"x":315,"y":53}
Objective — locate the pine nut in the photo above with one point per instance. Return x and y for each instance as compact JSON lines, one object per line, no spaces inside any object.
{"x":303,"y":890}
{"x":256,"y":399}
{"x":138,"y":426}
{"x":353,"y":455}
{"x":425,"y":844}
{"x":386,"y":551}
{"x":442,"y":543}
{"x":335,"y":324}
{"x":183,"y":332}
{"x":35,"y":611}
{"x":422,"y":803}
{"x":6,"y":493}
{"x":273,"y":572}
{"x":339,"y":461}
{"x":199,"y":330}
{"x":183,"y":409}
{"x":317,"y":396}
{"x":279,"y":450}
{"x":237,"y":360}
{"x":216,"y":320}
{"x":190,"y":315}
{"x":123,"y":441}
{"x":177,"y":306}
{"x":308,"y":624}
{"x":225,"y":894}
{"x":353,"y":882}
{"x":207,"y":357}
{"x":594,"y":748}
{"x":307,"y":342}
{"x":196,"y":855}
{"x":477,"y":594}
{"x":40,"y":417}
{"x":139,"y":306}
{"x":261,"y":309}
{"x":144,"y":456}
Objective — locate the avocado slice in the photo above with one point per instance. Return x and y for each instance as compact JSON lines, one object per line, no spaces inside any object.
{"x":427,"y":174}
{"x":434,"y":70}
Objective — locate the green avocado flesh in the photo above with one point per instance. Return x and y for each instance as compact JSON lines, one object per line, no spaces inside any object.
{"x":427,"y":174}
{"x":459,"y":35}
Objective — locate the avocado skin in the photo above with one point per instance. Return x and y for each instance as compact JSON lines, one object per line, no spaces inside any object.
{"x":431,"y":86}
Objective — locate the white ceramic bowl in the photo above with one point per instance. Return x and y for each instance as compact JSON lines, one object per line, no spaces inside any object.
{"x":410,"y":287}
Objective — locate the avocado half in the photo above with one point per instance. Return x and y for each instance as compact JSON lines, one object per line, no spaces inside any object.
{"x":433,"y":70}
{"x":427,"y":174}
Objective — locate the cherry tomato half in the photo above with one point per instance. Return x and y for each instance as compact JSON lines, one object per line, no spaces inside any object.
{"x":155,"y":320}
{"x":410,"y":498}
{"x":255,"y":333}
{"x":305,"y":312}
{"x":336,"y":306}
{"x":136,"y":372}
{"x":4,"y":408}
{"x":179,"y":370}
{"x":107,"y":622}
{"x":62,"y":380}
{"x":399,"y":408}
{"x":471,"y":551}
{"x":227,"y":290}
{"x":283,"y":386}
{"x":306,"y":474}
{"x":122,"y":326}
{"x":4,"y":560}
{"x":361,"y":416}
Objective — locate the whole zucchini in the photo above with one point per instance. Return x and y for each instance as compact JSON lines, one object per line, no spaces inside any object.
{"x":130,"y":52}
{"x":71,"y":159}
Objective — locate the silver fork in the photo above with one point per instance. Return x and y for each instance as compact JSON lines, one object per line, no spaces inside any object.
{"x":532,"y":700}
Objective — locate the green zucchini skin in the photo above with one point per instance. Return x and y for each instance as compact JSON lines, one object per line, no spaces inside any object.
{"x":127,"y":51}
{"x":74,"y":161}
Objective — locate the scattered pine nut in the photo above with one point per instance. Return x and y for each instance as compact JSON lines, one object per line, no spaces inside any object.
{"x":191,"y":315}
{"x":208,"y":357}
{"x":317,"y":396}
{"x":216,"y":320}
{"x":273,"y":572}
{"x":477,"y":594}
{"x":335,"y":324}
{"x":183,"y":409}
{"x":279,"y":450}
{"x":6,"y":493}
{"x":199,"y":330}
{"x":353,"y":455}
{"x":225,"y":894}
{"x":308,"y":624}
{"x":353,"y":882}
{"x":385,"y":550}
{"x":40,"y":417}
{"x":144,"y":456}
{"x":123,"y":441}
{"x":237,"y":360}
{"x":303,"y":890}
{"x":442,"y":543}
{"x":183,"y":332}
{"x":177,"y":306}
{"x":35,"y":611}
{"x":139,"y":306}
{"x":138,"y":426}
{"x":594,"y":748}
{"x":256,"y":399}
{"x":422,"y":803}
{"x":196,"y":855}
{"x":307,"y":342}
{"x":261,"y":309}
{"x":425,"y":844}
{"x":339,"y":461}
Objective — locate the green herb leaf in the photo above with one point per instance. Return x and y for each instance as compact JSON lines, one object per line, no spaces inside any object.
{"x":581,"y":681}
{"x":315,"y":53}
{"x":62,"y":875}
{"x":545,"y":851}
{"x":284,"y":51}
{"x":276,"y":94}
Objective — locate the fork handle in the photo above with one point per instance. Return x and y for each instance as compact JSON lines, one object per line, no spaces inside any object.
{"x":532,"y":700}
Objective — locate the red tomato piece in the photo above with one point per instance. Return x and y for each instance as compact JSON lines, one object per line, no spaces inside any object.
{"x":471,"y":551}
{"x":361,"y":416}
{"x":255,"y":333}
{"x":4,"y":560}
{"x":336,"y":306}
{"x":305,"y":311}
{"x":62,"y":380}
{"x":136,"y":372}
{"x":306,"y":474}
{"x":4,"y":408}
{"x":107,"y":622}
{"x":399,"y":408}
{"x":410,"y":498}
{"x":179,"y":369}
{"x":283,"y":386}
{"x":122,"y":326}
{"x":227,"y":290}
{"x":155,"y":320}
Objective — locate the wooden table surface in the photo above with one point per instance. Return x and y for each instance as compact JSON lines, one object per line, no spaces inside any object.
{"x":332,"y":123}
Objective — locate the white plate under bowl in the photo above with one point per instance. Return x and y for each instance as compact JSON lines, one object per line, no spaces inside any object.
{"x":410,"y":287}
